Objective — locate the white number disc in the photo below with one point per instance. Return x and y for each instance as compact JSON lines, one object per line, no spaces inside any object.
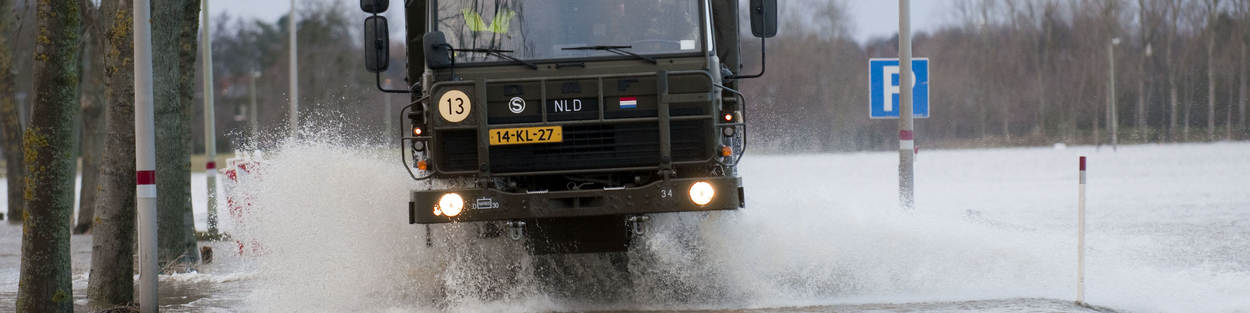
{"x":454,"y":106}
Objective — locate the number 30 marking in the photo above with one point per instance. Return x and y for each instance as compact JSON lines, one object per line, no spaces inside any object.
{"x":454,"y":106}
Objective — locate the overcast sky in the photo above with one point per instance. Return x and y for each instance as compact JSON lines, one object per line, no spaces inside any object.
{"x":872,"y":18}
{"x":879,"y":18}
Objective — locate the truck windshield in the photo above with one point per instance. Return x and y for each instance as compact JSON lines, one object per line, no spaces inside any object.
{"x":541,"y":29}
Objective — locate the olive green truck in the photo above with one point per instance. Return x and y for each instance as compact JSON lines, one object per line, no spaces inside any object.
{"x":565,"y":123}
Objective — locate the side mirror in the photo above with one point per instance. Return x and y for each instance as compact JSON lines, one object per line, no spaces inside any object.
{"x":763,"y":18}
{"x":377,"y":44}
{"x":374,"y":6}
{"x":437,"y":51}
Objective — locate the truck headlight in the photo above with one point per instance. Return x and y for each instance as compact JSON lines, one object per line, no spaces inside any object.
{"x":451,"y":204}
{"x":701,"y":193}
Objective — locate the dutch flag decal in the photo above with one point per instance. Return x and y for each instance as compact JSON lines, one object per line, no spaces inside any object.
{"x":629,"y":102}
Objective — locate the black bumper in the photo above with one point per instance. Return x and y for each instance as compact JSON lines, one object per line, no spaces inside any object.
{"x":658,"y":197}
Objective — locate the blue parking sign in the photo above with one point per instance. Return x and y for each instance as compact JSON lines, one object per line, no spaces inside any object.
{"x":883,"y":98}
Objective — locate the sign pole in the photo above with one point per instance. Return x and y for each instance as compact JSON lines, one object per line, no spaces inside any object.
{"x":210,"y":129}
{"x":145,"y":157}
{"x":1080,"y":237}
{"x":253,"y":111}
{"x":906,"y":138}
{"x":1113,"y":121}
{"x":294,"y":115}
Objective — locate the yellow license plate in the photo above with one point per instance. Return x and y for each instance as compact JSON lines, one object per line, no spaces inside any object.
{"x":524,"y":135}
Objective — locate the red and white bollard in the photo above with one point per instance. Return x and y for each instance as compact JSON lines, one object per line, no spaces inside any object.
{"x":1080,"y":235}
{"x":145,"y":157}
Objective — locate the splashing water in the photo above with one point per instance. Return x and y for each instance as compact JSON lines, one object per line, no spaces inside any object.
{"x":818,"y":230}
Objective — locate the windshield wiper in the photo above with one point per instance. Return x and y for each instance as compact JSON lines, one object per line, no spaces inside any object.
{"x":501,"y":54}
{"x":615,"y":49}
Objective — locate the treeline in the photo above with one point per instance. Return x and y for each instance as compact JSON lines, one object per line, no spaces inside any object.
{"x":335,"y":91}
{"x":333,"y":84}
{"x":1015,"y":72}
{"x":67,"y":94}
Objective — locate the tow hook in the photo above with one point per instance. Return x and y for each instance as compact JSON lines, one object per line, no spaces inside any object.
{"x":638,"y":224}
{"x":516,"y":229}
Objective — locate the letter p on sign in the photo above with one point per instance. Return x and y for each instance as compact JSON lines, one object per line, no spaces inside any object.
{"x":884,"y":88}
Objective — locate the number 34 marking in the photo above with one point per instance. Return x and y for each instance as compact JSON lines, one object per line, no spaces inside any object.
{"x":454,"y":106}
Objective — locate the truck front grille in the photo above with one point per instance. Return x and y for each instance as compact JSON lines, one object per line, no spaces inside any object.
{"x":603,"y":146}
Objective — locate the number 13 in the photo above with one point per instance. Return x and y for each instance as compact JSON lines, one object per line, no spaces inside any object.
{"x":459,"y":105}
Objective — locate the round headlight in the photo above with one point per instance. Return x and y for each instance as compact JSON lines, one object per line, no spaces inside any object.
{"x":450,"y":205}
{"x":701,"y":193}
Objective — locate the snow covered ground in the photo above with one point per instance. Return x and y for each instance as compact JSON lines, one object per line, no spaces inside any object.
{"x":994,"y":230}
{"x":1169,"y":225}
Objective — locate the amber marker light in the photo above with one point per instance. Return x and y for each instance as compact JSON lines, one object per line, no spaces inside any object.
{"x":726,"y":151}
{"x":422,"y":165}
{"x":701,"y":193}
{"x":450,"y":205}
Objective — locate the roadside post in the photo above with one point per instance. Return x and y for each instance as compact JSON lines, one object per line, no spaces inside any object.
{"x":253,"y":111}
{"x":145,"y":156}
{"x":906,"y":138}
{"x":1113,"y":118}
{"x":294,"y":114}
{"x":885,"y":101}
{"x":889,"y":99}
{"x":210,"y":129}
{"x":1080,"y":236}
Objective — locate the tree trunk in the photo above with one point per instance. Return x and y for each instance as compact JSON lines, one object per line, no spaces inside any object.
{"x":92,"y":147}
{"x":111,"y":282}
{"x":92,"y":134}
{"x":1189,"y":103}
{"x":1228,"y":113}
{"x":1172,"y":95}
{"x":1097,"y":127}
{"x":1141,"y":101}
{"x":1006,"y":124}
{"x":1211,"y":87}
{"x":10,"y":118}
{"x":1172,"y":72}
{"x":45,"y":271}
{"x":173,"y":42}
{"x":1144,"y":26}
{"x":1241,"y":101}
{"x":1043,"y":102}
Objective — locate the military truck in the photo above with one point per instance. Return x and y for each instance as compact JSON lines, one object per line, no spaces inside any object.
{"x":564,"y":124}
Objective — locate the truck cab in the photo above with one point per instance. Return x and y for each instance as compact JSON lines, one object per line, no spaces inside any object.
{"x":565,"y":124}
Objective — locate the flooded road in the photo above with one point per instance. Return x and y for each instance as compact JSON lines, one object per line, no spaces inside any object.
{"x":994,"y":231}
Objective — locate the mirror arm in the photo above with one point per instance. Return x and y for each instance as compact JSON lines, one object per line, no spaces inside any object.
{"x":378,"y":79}
{"x":763,"y":64}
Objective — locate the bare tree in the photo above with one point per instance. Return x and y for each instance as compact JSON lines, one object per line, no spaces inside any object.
{"x":1243,"y":13}
{"x":174,"y":42}
{"x":1213,"y":7}
{"x":1148,"y":20}
{"x":95,"y":19}
{"x":1174,"y":8}
{"x":112,"y":252}
{"x":45,"y":274}
{"x":10,"y":117}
